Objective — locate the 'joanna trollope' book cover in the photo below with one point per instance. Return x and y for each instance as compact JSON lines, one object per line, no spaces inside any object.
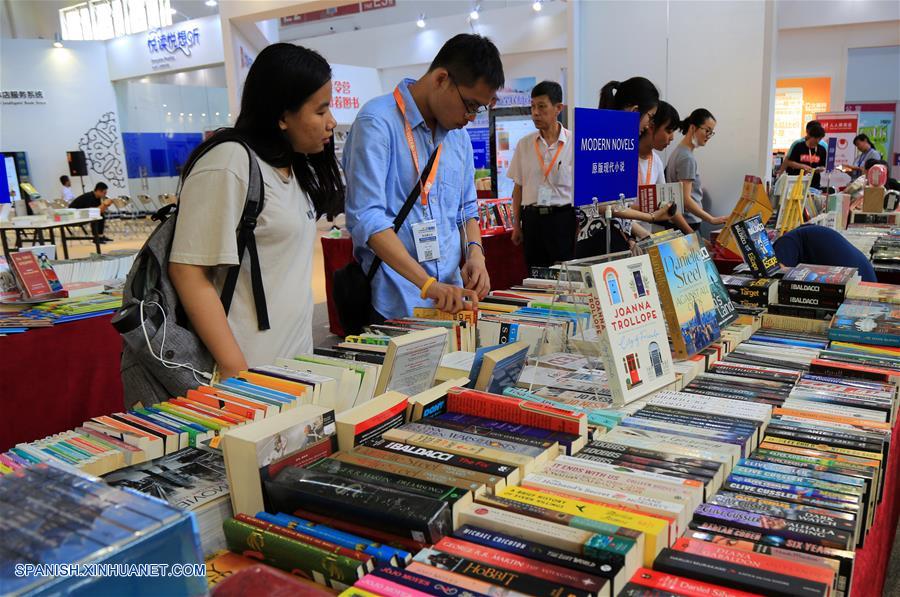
{"x":628,"y":319}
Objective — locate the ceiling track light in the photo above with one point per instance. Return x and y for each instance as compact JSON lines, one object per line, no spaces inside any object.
{"x":537,"y":6}
{"x":57,"y":40}
{"x":211,"y":3}
{"x":420,"y":22}
{"x":474,"y":14}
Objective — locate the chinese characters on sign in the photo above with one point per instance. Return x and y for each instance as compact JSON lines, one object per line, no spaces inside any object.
{"x":606,"y":155}
{"x":30,"y":97}
{"x":173,"y":41}
{"x":342,"y":98}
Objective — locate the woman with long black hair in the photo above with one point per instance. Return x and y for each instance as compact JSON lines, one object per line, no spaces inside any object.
{"x":286,"y":120}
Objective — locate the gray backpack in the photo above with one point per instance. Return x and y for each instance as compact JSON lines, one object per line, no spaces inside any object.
{"x":162,"y":357}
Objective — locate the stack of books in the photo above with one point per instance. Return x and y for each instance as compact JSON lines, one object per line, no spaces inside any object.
{"x":819,"y":286}
{"x":55,"y":518}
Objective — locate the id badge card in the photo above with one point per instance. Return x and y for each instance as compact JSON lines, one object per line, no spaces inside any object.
{"x":545,"y":195}
{"x":427,"y":246}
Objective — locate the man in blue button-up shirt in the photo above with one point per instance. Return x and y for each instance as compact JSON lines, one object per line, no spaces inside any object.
{"x":380,"y":171}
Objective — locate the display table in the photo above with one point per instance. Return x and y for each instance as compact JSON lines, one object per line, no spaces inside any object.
{"x":53,"y":379}
{"x":37,"y":234}
{"x":870,"y":568}
{"x":505,"y":264}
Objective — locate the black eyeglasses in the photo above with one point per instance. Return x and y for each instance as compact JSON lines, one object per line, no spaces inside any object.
{"x":709,"y":132}
{"x":472,"y":108}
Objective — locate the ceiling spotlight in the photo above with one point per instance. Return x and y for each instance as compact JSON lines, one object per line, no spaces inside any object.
{"x":421,"y":22}
{"x":57,"y":40}
{"x":536,"y":7}
{"x":474,"y":14}
{"x":168,"y":113}
{"x":211,"y":3}
{"x":181,"y":114}
{"x":165,"y":105}
{"x":57,"y":44}
{"x":217,"y":113}
{"x":203,"y":115}
{"x":173,"y":12}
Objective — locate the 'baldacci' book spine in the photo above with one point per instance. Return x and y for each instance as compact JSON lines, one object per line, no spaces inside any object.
{"x":740,"y":577}
{"x":436,"y":469}
{"x":290,"y":555}
{"x":502,"y":577}
{"x":543,"y":553}
{"x":424,"y":519}
{"x":423,"y":583}
{"x":464,"y":462}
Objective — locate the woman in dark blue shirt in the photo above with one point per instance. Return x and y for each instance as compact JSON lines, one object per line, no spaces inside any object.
{"x":818,"y":245}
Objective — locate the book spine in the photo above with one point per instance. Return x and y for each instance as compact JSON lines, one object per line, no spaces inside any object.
{"x":371,"y":533}
{"x":488,"y":433}
{"x":515,"y":563}
{"x":290,"y":555}
{"x":436,"y":469}
{"x":471,"y":585}
{"x":460,"y":448}
{"x":808,"y":515}
{"x":382,"y":586}
{"x":657,"y":455}
{"x":734,"y":575}
{"x":383,"y":555}
{"x":667,"y":301}
{"x":445,"y":458}
{"x":646,"y":582}
{"x":788,"y":529}
{"x":416,"y":472}
{"x":511,"y":410}
{"x":496,"y":575}
{"x":596,"y":569}
{"x":822,"y":288}
{"x":326,"y":546}
{"x":419,"y":582}
{"x":319,"y":450}
{"x":509,"y":429}
{"x":375,"y":426}
{"x":476,"y":440}
{"x":433,"y":490}
{"x":425,"y":519}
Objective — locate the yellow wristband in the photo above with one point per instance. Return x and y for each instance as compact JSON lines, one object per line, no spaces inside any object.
{"x":431,"y":280}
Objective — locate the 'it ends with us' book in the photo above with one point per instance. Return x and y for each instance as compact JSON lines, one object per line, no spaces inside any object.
{"x":628,"y":318}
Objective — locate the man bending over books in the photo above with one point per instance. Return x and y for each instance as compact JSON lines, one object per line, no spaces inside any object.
{"x":386,"y":152}
{"x":818,"y":245}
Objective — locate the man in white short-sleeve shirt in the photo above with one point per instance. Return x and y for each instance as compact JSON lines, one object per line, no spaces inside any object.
{"x":542,"y":168}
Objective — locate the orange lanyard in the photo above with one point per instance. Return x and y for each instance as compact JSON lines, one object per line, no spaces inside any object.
{"x":537,"y":149}
{"x":649,"y":170}
{"x":411,"y":141}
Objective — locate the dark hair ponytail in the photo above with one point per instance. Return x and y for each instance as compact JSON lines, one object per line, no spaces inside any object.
{"x":636,"y":91}
{"x":697,"y":118}
{"x":282,"y":78}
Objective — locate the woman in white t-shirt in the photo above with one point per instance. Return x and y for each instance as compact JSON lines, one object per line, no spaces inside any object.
{"x":659,"y":135}
{"x":286,"y":120}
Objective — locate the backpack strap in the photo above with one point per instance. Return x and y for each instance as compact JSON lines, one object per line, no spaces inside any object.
{"x":246,"y":238}
{"x":246,"y":241}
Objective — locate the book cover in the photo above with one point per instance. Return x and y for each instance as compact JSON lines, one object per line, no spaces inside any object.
{"x":690,"y":312}
{"x":370,"y":419}
{"x":187,"y":479}
{"x":411,"y":362}
{"x":754,"y":243}
{"x":9,"y":290}
{"x":725,"y":310}
{"x":819,"y":278}
{"x":31,"y":277}
{"x":501,"y":368}
{"x":628,"y":319}
{"x":866,"y":291}
{"x":867,"y":322}
{"x":652,"y":196}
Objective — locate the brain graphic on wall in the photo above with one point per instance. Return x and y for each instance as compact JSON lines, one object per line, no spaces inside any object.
{"x":100,"y":144}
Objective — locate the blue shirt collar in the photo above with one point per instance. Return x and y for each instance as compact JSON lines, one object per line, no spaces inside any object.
{"x":413,"y":113}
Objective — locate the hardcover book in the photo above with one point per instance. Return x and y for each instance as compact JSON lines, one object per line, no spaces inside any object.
{"x":829,"y":279}
{"x":652,"y":196}
{"x":628,"y":318}
{"x":687,"y":301}
{"x":756,"y":248}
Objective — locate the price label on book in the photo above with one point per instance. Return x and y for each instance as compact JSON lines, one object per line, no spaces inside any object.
{"x":606,"y":155}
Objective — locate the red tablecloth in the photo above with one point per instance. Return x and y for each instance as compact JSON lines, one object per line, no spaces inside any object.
{"x":505,"y":265}
{"x":870,"y":568}
{"x":53,"y":379}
